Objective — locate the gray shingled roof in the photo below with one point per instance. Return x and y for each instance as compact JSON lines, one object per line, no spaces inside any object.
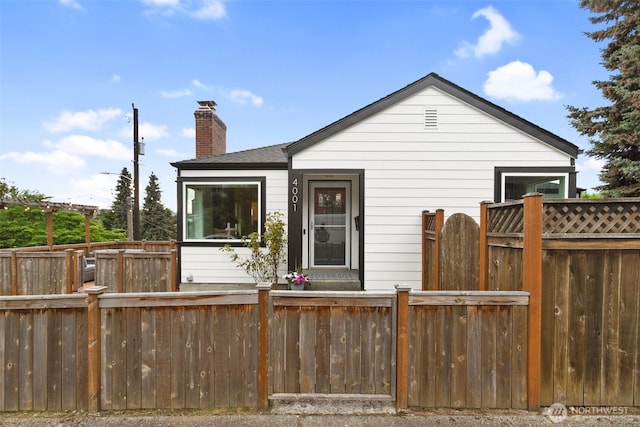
{"x":272,"y":156}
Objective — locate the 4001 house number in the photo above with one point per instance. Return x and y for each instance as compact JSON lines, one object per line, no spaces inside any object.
{"x":295,"y":190}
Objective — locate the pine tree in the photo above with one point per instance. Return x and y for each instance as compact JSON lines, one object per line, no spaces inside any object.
{"x":121,"y":205}
{"x":157,"y":222}
{"x":614,"y":130}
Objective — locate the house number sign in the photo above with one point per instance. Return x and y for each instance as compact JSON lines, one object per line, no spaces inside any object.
{"x":295,"y":198}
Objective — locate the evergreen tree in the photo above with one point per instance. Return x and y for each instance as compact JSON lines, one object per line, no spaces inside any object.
{"x":614,"y":130}
{"x":117,"y":217}
{"x":157,"y":222}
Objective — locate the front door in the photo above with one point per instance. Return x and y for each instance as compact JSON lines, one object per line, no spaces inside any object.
{"x":329,"y":223}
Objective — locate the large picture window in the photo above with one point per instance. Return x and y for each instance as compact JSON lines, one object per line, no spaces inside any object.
{"x":224,"y":211}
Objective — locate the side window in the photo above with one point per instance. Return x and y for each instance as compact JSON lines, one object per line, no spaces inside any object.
{"x":222,"y":211}
{"x":515,"y":185}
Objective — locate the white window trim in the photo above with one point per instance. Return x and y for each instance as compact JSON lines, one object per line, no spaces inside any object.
{"x":533,"y":174}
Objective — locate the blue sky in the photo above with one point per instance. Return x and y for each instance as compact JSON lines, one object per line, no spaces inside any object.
{"x":278,"y":70}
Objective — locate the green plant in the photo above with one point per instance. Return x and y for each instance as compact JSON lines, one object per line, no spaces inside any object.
{"x":263,"y":264}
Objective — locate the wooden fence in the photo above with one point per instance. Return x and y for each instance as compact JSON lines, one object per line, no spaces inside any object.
{"x":110,"y":351}
{"x":580,"y":261}
{"x":61,"y":272}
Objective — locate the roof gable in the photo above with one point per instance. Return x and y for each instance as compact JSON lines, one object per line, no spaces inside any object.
{"x":434,"y":80}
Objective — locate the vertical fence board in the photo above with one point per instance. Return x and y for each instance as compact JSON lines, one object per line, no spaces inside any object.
{"x":504,"y":348}
{"x":474,"y":357}
{"x":367,"y":342}
{"x":206,"y":353}
{"x":26,"y":357}
{"x":107,"y":374}
{"x":427,"y":352}
{"x":303,"y":351}
{"x":250,"y":366}
{"x":488,"y":357}
{"x":163,"y":333}
{"x":148,"y":366}
{"x":519,"y":358}
{"x":119,"y":336}
{"x":629,"y":306}
{"x":577,"y":329}
{"x":178,"y":340}
{"x":549,"y":285}
{"x":39,"y":368}
{"x":11,"y":358}
{"x":221,"y":356}
{"x":593,"y":302}
{"x":338,"y":335}
{"x":610,"y":380}
{"x":323,"y":350}
{"x":277,"y":350}
{"x":559,"y":342}
{"x":133,"y":359}
{"x":353,"y":348}
{"x":443,"y":356}
{"x":236,"y":357}
{"x":192,"y":365}
{"x":458,"y":357}
{"x":54,"y":367}
{"x":69,"y":359}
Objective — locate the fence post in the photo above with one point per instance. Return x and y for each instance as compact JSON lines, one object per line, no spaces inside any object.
{"x":402,"y":346}
{"x":532,"y":283}
{"x":423,"y":237}
{"x":483,"y":254}
{"x":436,"y":248}
{"x":94,"y":347}
{"x":263,"y":345}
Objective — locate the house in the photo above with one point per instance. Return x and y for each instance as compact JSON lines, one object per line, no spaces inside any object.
{"x":353,"y":191}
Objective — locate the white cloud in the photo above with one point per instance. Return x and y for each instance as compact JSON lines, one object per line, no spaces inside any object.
{"x":89,"y":120}
{"x":518,"y":81}
{"x":188,"y":132}
{"x":197,"y":9}
{"x":197,"y":83}
{"x":590,"y":164}
{"x":152,"y":132}
{"x":51,"y":161}
{"x":71,"y":3}
{"x":492,"y":40}
{"x":115,"y":78}
{"x":241,"y":96}
{"x":82,"y":144}
{"x":175,"y":93}
{"x":170,"y":152}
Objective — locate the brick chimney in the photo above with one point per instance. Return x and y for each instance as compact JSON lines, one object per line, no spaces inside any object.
{"x":211,"y":132}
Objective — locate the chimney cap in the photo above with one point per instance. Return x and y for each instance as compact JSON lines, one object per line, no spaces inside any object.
{"x":207,"y":104}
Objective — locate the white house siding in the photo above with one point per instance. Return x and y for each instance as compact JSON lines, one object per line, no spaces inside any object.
{"x":207,"y":265}
{"x":409,"y":169}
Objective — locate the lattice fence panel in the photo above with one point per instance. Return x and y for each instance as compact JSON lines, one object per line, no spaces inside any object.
{"x":505,"y":219}
{"x":597,"y":217}
{"x":430,"y":220}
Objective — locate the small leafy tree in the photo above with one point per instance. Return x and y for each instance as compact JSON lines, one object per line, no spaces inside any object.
{"x":261,"y":264}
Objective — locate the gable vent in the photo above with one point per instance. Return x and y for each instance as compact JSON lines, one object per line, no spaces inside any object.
{"x":430,"y":118}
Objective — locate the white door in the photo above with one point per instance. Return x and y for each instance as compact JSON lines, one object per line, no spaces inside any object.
{"x":329,"y":223}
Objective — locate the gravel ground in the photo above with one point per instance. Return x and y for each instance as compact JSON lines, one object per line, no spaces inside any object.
{"x":465,"y":418}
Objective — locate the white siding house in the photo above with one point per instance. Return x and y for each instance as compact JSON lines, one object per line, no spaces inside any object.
{"x":354,"y":190}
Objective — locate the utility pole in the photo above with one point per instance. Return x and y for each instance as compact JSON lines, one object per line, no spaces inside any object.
{"x":136,"y":177}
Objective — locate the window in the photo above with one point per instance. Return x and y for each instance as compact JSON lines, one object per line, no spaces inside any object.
{"x":511,"y":183}
{"x":550,"y":186}
{"x":222,"y":211}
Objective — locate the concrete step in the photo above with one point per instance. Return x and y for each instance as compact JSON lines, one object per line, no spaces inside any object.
{"x":312,"y":403}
